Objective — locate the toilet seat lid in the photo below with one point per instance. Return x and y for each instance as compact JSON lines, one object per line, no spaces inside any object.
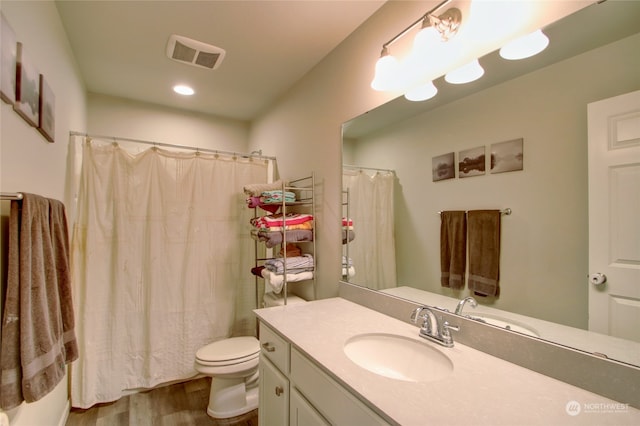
{"x":234,"y":348}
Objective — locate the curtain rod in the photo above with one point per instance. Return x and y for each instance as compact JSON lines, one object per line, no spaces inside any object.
{"x":11,"y":196}
{"x":254,"y":154}
{"x":348,"y":166}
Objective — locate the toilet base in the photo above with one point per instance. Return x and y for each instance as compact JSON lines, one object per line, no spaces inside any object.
{"x":231,"y":398}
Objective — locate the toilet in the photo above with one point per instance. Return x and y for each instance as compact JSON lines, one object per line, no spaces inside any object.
{"x":233,"y":366}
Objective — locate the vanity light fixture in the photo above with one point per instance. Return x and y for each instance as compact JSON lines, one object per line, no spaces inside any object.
{"x":181,"y":89}
{"x":465,"y":74}
{"x":422,"y":93}
{"x":446,"y":25}
{"x":526,"y":46}
{"x":386,"y":69}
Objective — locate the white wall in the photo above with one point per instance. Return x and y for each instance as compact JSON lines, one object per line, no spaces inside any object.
{"x":304,"y":128}
{"x":27,"y":161}
{"x":544,"y":261}
{"x":109,"y":116}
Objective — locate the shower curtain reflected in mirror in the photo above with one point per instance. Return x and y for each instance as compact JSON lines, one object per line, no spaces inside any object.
{"x":370,"y":208}
{"x":161,"y":264}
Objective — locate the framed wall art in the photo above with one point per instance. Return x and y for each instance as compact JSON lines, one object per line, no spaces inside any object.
{"x":443,"y":167}
{"x":9,"y":58}
{"x":27,"y":103}
{"x":471,"y":162}
{"x":507,"y":156}
{"x":47,"y":123}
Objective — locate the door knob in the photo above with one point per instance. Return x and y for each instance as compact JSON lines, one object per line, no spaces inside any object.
{"x":279,"y":390}
{"x":597,"y":278}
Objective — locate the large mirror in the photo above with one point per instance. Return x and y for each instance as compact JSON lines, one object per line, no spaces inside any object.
{"x":593,"y":55}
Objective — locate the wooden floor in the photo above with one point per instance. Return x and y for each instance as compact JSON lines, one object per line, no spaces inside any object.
{"x":182,"y":404}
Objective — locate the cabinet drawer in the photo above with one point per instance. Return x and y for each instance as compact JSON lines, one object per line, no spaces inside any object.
{"x":331,"y":400}
{"x":275,"y":348}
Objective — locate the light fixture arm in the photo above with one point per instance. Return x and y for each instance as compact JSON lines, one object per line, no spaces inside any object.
{"x":424,"y":17}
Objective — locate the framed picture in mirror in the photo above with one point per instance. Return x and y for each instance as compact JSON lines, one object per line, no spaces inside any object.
{"x":443,"y":167}
{"x":507,"y":156}
{"x":471,"y":162}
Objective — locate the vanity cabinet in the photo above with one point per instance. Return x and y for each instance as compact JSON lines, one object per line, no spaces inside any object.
{"x":302,"y":413}
{"x":273,"y":395}
{"x":295,"y":391}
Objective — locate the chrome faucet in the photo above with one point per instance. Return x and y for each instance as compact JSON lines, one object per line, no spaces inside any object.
{"x":461,"y":304}
{"x":431,"y":328}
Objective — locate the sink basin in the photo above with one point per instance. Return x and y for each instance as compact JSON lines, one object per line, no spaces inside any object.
{"x":398,"y":357}
{"x":508,"y":324}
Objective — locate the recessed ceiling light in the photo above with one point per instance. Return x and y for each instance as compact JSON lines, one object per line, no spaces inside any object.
{"x":183,"y":90}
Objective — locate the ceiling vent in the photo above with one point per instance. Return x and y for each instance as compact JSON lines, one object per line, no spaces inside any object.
{"x":193,"y":52}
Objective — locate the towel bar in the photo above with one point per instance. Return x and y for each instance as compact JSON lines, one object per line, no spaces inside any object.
{"x":10,"y":195}
{"x":505,"y":212}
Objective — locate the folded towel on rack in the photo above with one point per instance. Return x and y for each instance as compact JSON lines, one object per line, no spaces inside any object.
{"x":453,"y":248}
{"x":348,"y":236}
{"x":279,"y":220}
{"x":276,"y":281}
{"x":277,"y":197}
{"x":293,"y":264}
{"x":254,"y":201}
{"x":273,"y":238}
{"x":256,"y":189}
{"x":484,"y":252}
{"x":38,"y":336}
{"x":291,"y":250}
{"x":349,"y":272}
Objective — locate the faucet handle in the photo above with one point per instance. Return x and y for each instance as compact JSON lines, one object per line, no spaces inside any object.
{"x":415,"y":315}
{"x":446,"y":334}
{"x":446,"y":327}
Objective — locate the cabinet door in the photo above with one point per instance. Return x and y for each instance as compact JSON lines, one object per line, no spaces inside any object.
{"x":302,"y":413}
{"x":273,"y":396}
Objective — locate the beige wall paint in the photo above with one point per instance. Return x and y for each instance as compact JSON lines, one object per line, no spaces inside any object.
{"x":31,"y":164}
{"x":544,"y":259}
{"x":111,"y":116}
{"x":303,"y":129}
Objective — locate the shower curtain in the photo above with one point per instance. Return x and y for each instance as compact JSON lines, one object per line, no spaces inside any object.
{"x":371,"y":209}
{"x":161,"y":259}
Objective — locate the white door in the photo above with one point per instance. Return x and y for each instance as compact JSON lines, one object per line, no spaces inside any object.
{"x":614,"y":216}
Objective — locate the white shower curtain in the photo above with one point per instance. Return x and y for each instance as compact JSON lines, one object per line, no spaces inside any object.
{"x":161,"y":257}
{"x":371,"y":209}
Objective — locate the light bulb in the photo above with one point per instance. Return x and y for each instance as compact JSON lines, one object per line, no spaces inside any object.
{"x":465,"y":74}
{"x":426,"y":39}
{"x":422,"y":93}
{"x":183,"y":90}
{"x":386,"y":69}
{"x":526,"y":46}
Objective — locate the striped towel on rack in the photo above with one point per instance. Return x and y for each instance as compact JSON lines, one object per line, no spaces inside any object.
{"x":297,"y":263}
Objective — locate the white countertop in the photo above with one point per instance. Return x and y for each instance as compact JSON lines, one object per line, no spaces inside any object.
{"x":588,"y":341}
{"x":481,"y":390}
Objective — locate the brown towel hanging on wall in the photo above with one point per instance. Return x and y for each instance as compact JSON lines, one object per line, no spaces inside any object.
{"x":38,"y":336}
{"x":453,"y":248}
{"x":484,"y":251}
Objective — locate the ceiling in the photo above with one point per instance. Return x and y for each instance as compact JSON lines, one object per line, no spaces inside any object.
{"x":270,"y":44}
